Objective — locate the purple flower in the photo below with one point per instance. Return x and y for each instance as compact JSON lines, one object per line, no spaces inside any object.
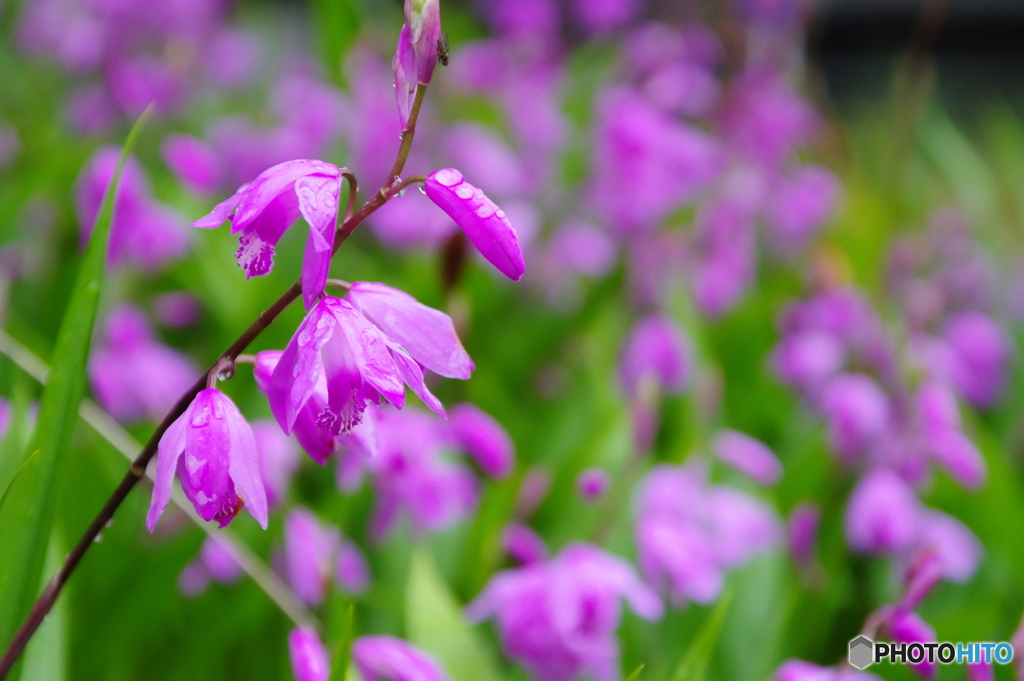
{"x":193,"y":579}
{"x":386,"y":658}
{"x":411,"y":475}
{"x":655,"y":360}
{"x":318,"y":442}
{"x":522,"y":544}
{"x":483,"y":155}
{"x":309,"y":553}
{"x":483,"y":438}
{"x":802,"y":203}
{"x":583,"y":248}
{"x":263,"y":209}
{"x":219,"y":560}
{"x":601,"y":16}
{"x":215,"y":561}
{"x":352,"y":573}
{"x":194,"y":163}
{"x":138,"y":81}
{"x":806,"y":359}
{"x":363,"y":358}
{"x":90,"y":111}
{"x":592,"y":483}
{"x":213,"y":451}
{"x":907,"y":627}
{"x":957,"y":549}
{"x":802,"y":531}
{"x":961,"y":457}
{"x":798,"y":670}
{"x":747,"y":455}
{"x":426,"y":334}
{"x":646,"y":161}
{"x":688,"y":533}
{"x":657,"y":351}
{"x":558,"y":619}
{"x":980,"y":671}
{"x":857,"y":411}
{"x":310,"y":660}
{"x":766,"y":119}
{"x":177,"y":309}
{"x":883,"y":514}
{"x":133,"y":375}
{"x":485,"y":225}
{"x":979,"y":353}
{"x":143,"y":231}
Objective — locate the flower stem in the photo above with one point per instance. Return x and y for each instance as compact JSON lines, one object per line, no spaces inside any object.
{"x":123,"y":441}
{"x":137,"y":469}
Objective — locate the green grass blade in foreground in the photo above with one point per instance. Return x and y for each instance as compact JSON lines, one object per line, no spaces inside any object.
{"x":694,"y":665}
{"x":27,"y":513}
{"x":434,"y":622}
{"x":636,"y":673}
{"x":343,"y":649}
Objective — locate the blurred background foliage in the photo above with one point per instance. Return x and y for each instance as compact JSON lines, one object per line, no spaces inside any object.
{"x":547,"y":374}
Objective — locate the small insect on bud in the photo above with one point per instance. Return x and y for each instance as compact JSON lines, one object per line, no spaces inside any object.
{"x":443,"y":48}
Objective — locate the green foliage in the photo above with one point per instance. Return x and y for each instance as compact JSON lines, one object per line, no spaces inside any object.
{"x":694,"y":664}
{"x":434,"y":622}
{"x":343,"y":649}
{"x":27,"y":512}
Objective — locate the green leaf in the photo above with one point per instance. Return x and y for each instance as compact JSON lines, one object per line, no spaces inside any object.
{"x":636,"y":673}
{"x":13,"y":452}
{"x":694,"y":665}
{"x":14,"y":478}
{"x":27,"y":513}
{"x":343,"y":649}
{"x":434,"y":622}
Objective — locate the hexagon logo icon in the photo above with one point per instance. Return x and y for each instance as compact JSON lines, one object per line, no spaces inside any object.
{"x":862,"y":651}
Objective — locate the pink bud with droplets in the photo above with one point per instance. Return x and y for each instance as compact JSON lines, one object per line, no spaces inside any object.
{"x":485,"y":225}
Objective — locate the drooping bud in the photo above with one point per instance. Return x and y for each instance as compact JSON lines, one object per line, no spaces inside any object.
{"x":485,"y":225}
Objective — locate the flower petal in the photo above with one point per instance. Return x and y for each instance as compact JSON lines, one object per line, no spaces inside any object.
{"x":254,"y":197}
{"x":243,"y":465}
{"x":427,"y":334}
{"x":221,"y":212}
{"x":412,"y":374}
{"x":172,"y":444}
{"x":297,"y":371}
{"x":370,"y":351}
